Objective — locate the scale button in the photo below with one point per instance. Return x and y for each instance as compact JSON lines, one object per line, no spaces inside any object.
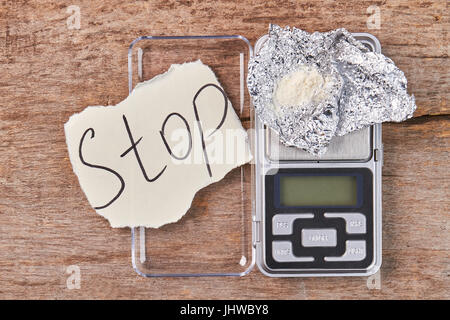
{"x":355,"y":222}
{"x":319,"y":237}
{"x":355,"y":251}
{"x":282,"y":252}
{"x":282,"y":223}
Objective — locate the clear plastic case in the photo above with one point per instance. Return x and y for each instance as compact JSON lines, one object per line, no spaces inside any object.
{"x":223,"y":233}
{"x":214,"y":238}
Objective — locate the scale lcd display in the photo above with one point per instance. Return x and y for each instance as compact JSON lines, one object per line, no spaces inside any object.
{"x":304,"y":191}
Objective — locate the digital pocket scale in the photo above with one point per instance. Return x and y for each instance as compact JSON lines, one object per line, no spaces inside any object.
{"x":319,"y":216}
{"x":299,"y":215}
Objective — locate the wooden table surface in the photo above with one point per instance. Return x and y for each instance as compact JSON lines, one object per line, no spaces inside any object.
{"x":50,"y":71}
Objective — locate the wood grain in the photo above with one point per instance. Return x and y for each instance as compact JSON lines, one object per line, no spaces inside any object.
{"x":50,"y":72}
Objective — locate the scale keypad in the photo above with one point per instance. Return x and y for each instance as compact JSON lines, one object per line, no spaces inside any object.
{"x":311,"y":234}
{"x":307,"y":237}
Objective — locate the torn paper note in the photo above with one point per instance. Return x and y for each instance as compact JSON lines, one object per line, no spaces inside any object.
{"x":141,"y":162}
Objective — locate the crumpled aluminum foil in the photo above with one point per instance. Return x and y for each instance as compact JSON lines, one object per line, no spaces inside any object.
{"x":367,"y":87}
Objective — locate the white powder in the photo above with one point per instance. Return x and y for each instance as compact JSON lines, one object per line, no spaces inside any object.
{"x":301,"y":87}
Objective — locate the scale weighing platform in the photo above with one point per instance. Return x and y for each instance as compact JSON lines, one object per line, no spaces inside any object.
{"x":319,"y":216}
{"x":298,"y":215}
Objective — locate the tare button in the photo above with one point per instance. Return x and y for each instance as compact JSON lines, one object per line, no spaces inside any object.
{"x":319,"y":237}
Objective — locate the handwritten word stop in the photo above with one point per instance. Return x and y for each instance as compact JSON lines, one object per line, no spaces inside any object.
{"x":141,"y":162}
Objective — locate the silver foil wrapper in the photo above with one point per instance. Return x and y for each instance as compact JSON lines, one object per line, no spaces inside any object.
{"x":366,"y":87}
